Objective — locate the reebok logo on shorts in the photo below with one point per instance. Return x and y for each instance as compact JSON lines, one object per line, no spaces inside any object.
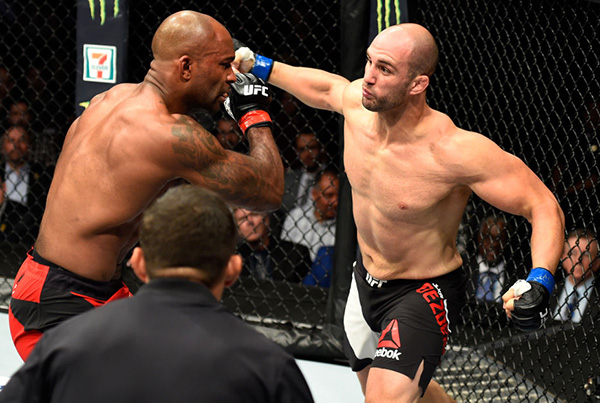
{"x":389,"y":342}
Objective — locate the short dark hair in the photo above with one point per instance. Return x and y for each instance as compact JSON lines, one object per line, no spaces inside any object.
{"x":188,"y":226}
{"x":326,"y":170}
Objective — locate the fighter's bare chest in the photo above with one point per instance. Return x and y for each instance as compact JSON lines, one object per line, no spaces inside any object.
{"x":397,"y":180}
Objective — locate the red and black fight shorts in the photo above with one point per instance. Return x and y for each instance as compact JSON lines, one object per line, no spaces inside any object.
{"x":45,"y":295}
{"x":398,"y":324}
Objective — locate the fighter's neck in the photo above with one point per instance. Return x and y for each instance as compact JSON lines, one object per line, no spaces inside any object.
{"x":156,"y":82}
{"x":402,"y":124}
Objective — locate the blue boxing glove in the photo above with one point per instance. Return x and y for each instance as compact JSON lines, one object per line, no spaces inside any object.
{"x":249,"y":61}
{"x":531,"y":309}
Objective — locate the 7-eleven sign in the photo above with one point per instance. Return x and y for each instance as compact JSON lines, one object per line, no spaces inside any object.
{"x":100,"y":63}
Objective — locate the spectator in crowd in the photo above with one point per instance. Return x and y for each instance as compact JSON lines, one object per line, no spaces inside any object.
{"x":298,"y":180}
{"x":47,"y":142}
{"x":20,"y":114}
{"x":321,"y":268}
{"x":491,"y":242}
{"x":580,"y":263}
{"x":314,"y":226}
{"x":33,"y":88}
{"x":229,"y":135}
{"x":266,"y":257}
{"x":25,"y":185}
{"x":172,"y":333}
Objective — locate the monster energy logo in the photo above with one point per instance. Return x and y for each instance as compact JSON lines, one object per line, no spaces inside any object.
{"x":102,"y":4}
{"x":385,"y":17}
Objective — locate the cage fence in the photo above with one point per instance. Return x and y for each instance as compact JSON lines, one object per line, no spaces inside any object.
{"x":523,"y":73}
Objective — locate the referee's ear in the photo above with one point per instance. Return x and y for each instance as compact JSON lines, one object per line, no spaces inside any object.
{"x":233,"y":270}
{"x":138,"y":264}
{"x":230,"y":275}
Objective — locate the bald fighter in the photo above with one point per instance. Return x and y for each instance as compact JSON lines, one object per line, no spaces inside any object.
{"x":126,"y":149}
{"x":412,"y":171}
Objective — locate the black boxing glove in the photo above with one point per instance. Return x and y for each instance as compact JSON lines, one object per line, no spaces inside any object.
{"x":248,"y":101}
{"x":531,"y":309}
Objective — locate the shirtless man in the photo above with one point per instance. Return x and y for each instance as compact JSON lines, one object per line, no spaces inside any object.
{"x":127,"y":148}
{"x":412,"y":172}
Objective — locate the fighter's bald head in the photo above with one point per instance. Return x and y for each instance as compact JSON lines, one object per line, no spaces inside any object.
{"x":422,"y":45}
{"x":186,"y":32}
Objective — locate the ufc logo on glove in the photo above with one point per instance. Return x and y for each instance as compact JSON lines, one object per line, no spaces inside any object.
{"x":255,"y":89}
{"x":248,"y":101}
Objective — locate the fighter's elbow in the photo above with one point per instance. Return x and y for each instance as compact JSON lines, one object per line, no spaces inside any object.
{"x":275,"y":198}
{"x":549,"y":210}
{"x":268,"y":199}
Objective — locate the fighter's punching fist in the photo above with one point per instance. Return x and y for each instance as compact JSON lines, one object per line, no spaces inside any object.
{"x":248,"y":102}
{"x":531,"y":303}
{"x":248,"y":61}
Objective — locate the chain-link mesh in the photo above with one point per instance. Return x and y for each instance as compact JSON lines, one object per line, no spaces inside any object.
{"x":278,"y":255}
{"x":527,"y":75}
{"x":524,"y":73}
{"x":37,"y":64}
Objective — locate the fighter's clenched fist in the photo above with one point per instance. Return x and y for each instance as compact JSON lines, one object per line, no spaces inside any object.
{"x":248,"y":102}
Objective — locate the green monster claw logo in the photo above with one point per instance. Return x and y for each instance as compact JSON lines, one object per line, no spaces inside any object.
{"x":102,"y":4}
{"x":388,"y":8}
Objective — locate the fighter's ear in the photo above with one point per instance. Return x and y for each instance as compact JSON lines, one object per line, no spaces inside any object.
{"x":185,"y":65}
{"x":419,"y":84}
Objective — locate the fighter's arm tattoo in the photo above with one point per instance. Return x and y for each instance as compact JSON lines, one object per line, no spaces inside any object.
{"x":238,"y":178}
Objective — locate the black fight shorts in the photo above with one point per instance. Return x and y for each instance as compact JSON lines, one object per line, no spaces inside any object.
{"x":398,"y":324}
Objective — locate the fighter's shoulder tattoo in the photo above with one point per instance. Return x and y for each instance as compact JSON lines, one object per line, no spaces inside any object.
{"x":193,"y":146}
{"x":227,"y":174}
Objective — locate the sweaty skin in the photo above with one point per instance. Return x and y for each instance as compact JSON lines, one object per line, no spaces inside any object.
{"x":136,"y":140}
{"x":412,"y":172}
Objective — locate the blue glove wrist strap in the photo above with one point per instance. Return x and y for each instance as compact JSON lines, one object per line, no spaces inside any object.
{"x":542,"y":276}
{"x":262,"y":67}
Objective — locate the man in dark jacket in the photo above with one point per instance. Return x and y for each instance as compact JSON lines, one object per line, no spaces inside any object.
{"x":172,"y":341}
{"x":264,"y":256}
{"x":25,"y":187}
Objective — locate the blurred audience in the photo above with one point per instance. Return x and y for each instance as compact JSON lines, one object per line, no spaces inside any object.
{"x":492,"y":238}
{"x":300,"y":177}
{"x":321,"y":268}
{"x":20,"y":114}
{"x":264,"y":257}
{"x":580,"y":263}
{"x":25,"y":186}
{"x":46,"y":146}
{"x":298,"y":181}
{"x":230,"y":135}
{"x":314,"y":225}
